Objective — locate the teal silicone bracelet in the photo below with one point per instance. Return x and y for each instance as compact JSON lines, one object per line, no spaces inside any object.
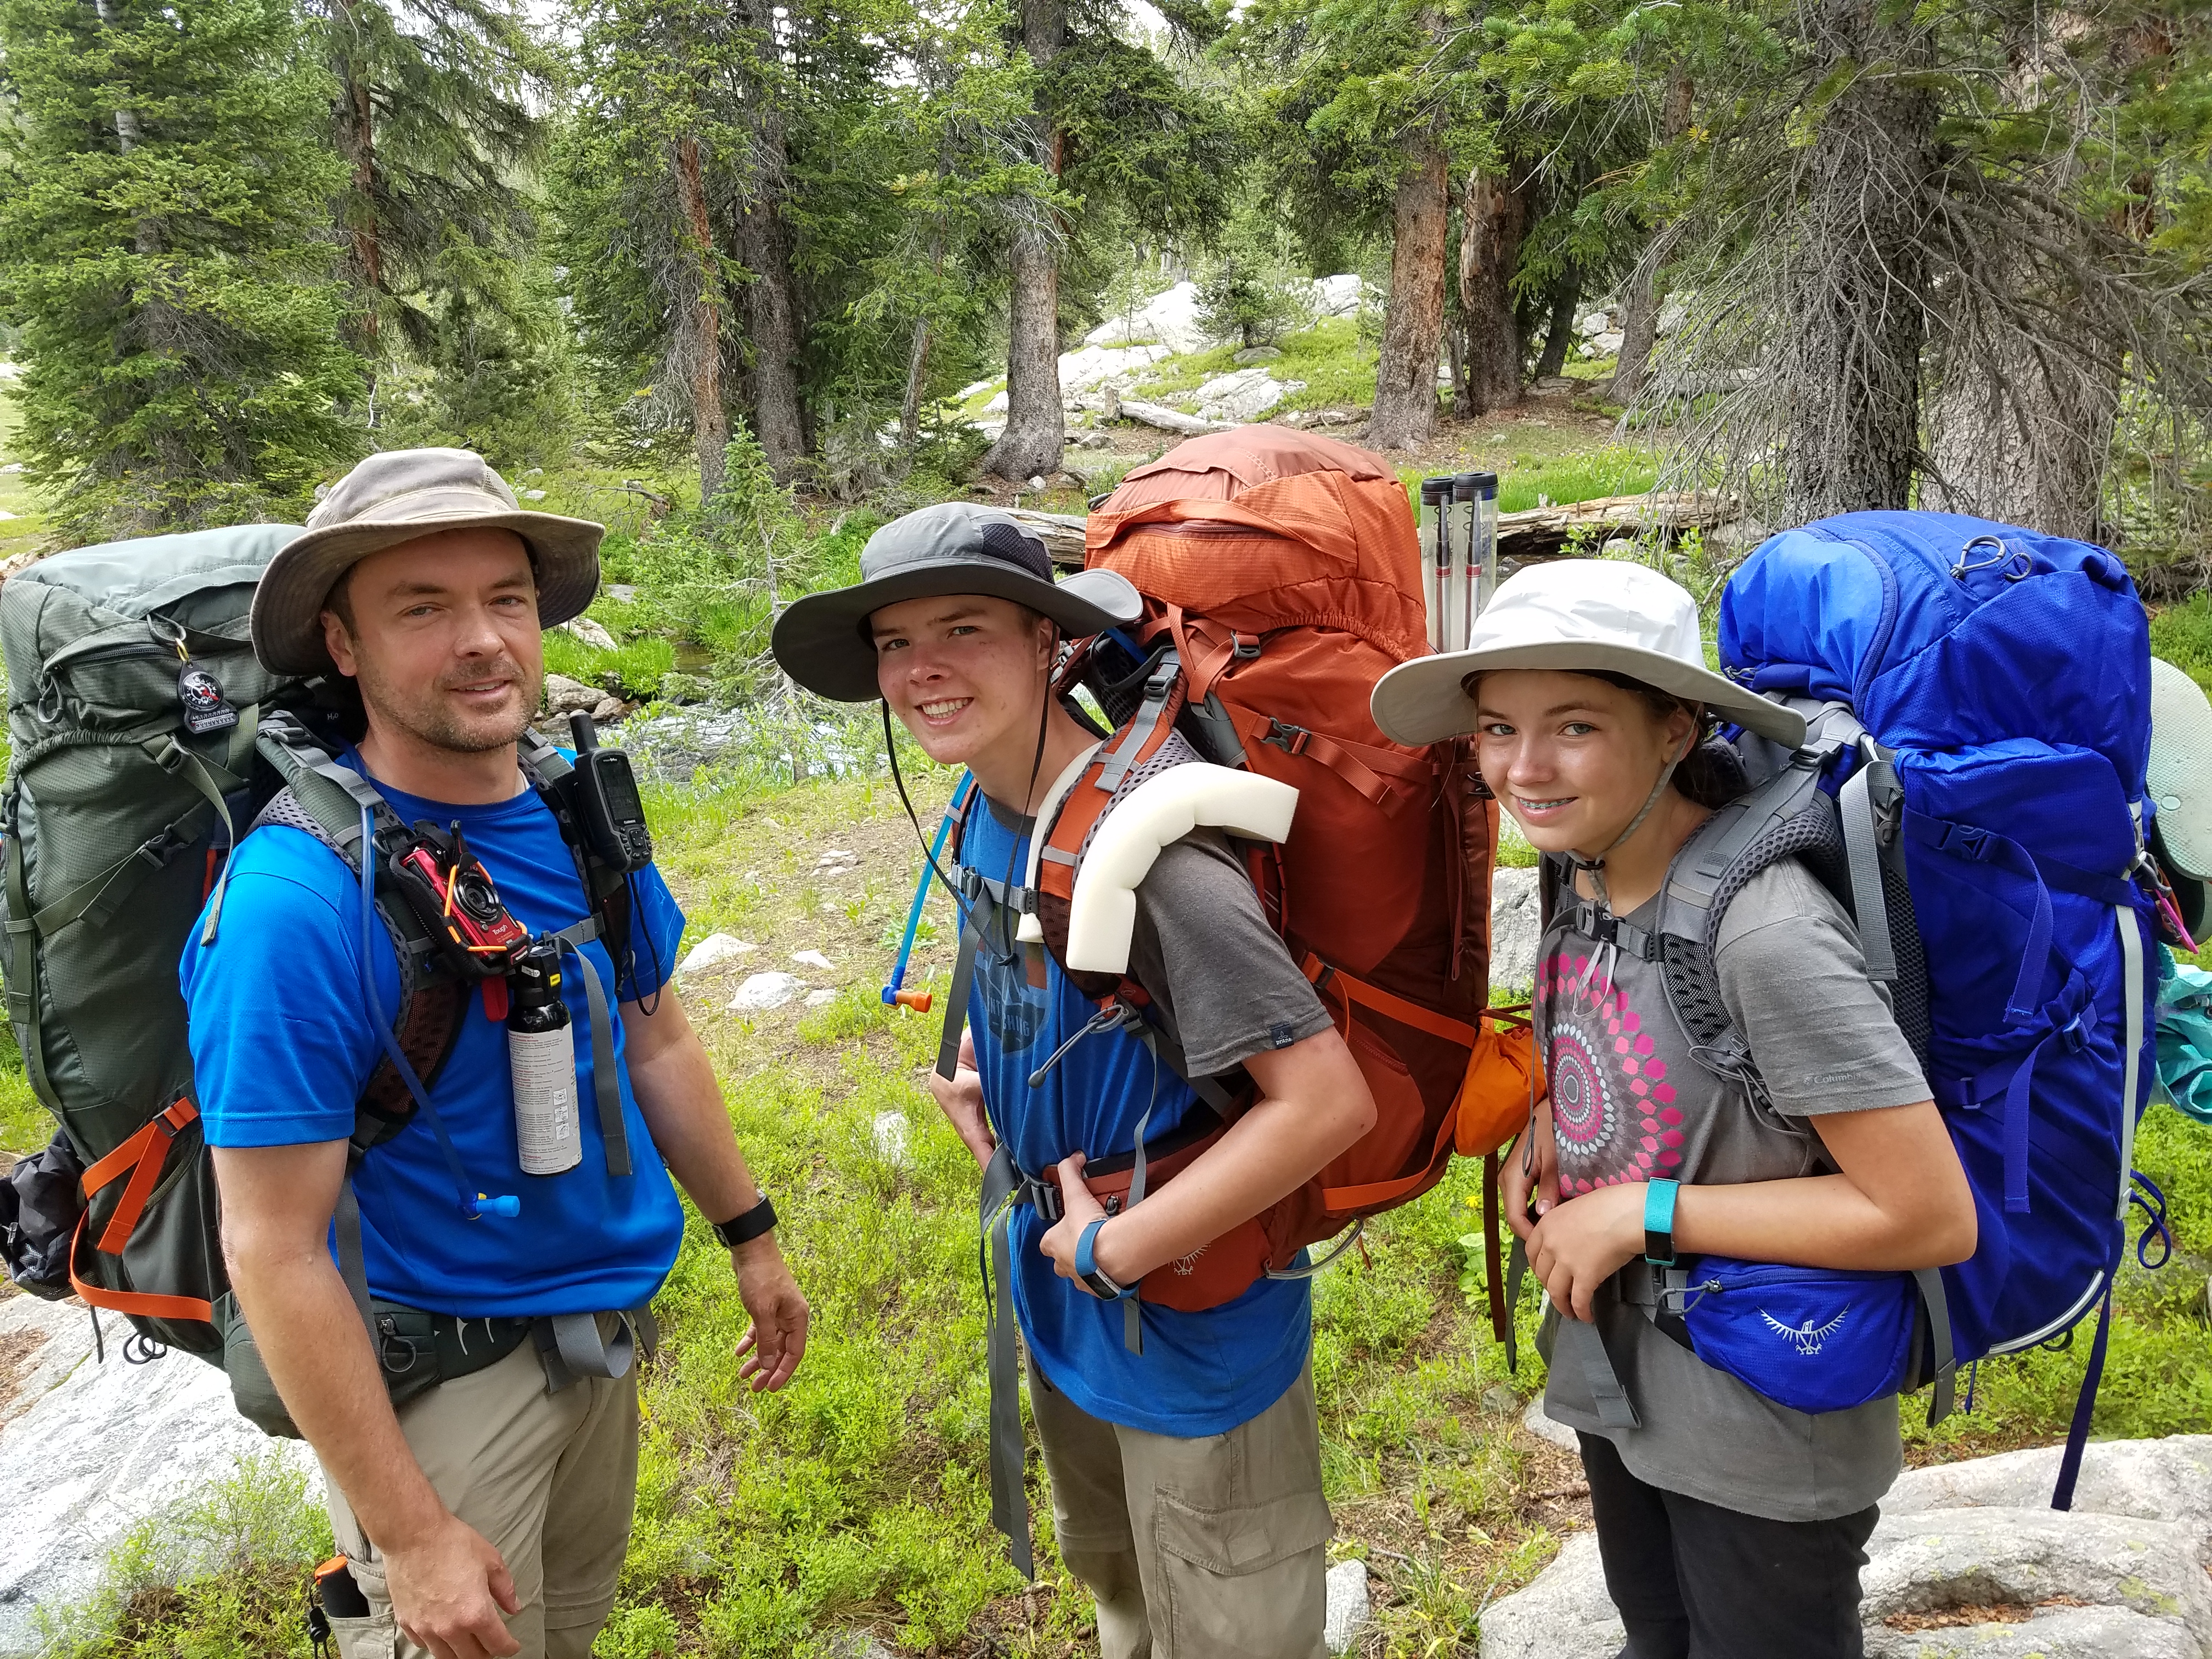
{"x":1659,"y":1222}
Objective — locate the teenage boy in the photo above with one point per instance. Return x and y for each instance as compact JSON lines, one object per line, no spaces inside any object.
{"x":1186,"y":1480}
{"x":490,"y":1514}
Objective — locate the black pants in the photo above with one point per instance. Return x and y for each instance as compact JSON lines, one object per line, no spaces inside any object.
{"x":1695,"y":1581}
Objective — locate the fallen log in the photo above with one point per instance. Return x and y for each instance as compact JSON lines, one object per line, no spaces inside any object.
{"x":1062,"y":533}
{"x":1544,"y":532}
{"x":1166,"y":419}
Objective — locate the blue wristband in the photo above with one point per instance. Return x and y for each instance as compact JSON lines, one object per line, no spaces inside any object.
{"x":1085,"y":1263}
{"x":1102,"y":1285}
{"x":1659,"y":1222}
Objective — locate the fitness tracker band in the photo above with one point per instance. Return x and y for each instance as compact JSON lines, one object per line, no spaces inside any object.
{"x":1659,"y":1222}
{"x":1088,"y":1270}
{"x":744,"y":1229}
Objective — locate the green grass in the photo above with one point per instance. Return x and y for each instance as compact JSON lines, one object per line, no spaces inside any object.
{"x":25,"y":1123}
{"x":1338,"y":370}
{"x":22,"y":532}
{"x":2182,"y":634}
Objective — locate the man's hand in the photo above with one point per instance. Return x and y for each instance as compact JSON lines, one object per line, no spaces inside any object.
{"x":1078,"y":1210}
{"x":1577,"y":1246}
{"x":772,"y":1347}
{"x":1532,"y":1170}
{"x":960,"y":1099}
{"x":448,"y":1589}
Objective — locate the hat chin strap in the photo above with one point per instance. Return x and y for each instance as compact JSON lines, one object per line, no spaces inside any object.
{"x":1595,"y":867}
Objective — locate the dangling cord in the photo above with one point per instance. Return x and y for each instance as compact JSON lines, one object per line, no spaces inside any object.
{"x":1595,"y":867}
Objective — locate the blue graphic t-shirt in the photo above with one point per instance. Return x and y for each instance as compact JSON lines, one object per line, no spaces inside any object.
{"x":282,"y":1046}
{"x":1200,"y":1373}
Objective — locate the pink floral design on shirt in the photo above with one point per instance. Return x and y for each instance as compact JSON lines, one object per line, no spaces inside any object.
{"x":1613,"y":1110}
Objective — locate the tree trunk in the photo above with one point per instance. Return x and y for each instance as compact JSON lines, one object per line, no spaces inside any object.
{"x":1489,"y":247}
{"x":1413,"y":323}
{"x":1567,"y":294}
{"x":764,"y":245}
{"x":699,"y":329}
{"x":2021,"y":434}
{"x":1647,"y":283}
{"x":1036,"y":437}
{"x":1858,"y":276}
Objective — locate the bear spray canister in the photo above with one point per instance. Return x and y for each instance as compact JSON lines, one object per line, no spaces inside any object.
{"x":541,"y":1059}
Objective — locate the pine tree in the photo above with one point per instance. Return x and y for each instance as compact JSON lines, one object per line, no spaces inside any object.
{"x":436,"y":113}
{"x":164,"y":191}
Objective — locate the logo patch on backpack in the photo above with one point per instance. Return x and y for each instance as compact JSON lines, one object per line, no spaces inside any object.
{"x":206,"y":709}
{"x":1808,"y":1337}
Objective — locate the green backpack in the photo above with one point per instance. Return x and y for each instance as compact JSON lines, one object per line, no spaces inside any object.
{"x":146,"y":737}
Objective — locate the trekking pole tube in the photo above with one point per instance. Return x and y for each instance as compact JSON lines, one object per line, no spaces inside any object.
{"x":1435,"y":557}
{"x":1484,"y":554}
{"x":1459,"y":604}
{"x":894,"y":996}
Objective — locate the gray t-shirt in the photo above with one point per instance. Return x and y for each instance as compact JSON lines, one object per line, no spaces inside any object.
{"x":1629,"y":1103}
{"x":1225,"y":986}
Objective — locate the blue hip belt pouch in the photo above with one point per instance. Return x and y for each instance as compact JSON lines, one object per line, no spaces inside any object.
{"x":1811,"y":1339}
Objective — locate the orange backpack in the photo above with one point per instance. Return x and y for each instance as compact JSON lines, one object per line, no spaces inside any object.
{"x":1280,"y":576}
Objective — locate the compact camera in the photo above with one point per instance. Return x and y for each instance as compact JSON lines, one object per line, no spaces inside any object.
{"x":453,"y":895}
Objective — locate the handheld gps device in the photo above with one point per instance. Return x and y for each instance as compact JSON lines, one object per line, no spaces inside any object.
{"x":607,"y":800}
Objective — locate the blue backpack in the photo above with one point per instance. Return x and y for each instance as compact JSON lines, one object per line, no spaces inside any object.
{"x":1974,"y":788}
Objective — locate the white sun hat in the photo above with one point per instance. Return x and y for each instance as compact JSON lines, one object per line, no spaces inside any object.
{"x":2180,"y":776}
{"x":1583,"y":615}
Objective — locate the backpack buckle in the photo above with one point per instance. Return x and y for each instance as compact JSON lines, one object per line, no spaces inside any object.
{"x":1291,"y":739}
{"x":1242,"y":651}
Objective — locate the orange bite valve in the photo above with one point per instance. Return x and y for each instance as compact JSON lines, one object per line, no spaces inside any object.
{"x":917,"y":1001}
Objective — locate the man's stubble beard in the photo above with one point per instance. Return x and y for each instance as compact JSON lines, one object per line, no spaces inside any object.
{"x":428,"y":720}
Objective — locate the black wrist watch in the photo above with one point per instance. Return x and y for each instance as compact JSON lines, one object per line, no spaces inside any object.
{"x":744,"y":1229}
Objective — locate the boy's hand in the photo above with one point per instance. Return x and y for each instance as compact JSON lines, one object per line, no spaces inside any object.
{"x":960,"y":1099}
{"x":1078,"y":1210}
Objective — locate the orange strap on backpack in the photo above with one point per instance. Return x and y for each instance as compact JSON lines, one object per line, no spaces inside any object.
{"x":143,"y":1156}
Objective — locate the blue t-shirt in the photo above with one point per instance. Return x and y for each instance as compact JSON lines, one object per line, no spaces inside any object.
{"x":1200,"y":1373}
{"x":282,"y":1046}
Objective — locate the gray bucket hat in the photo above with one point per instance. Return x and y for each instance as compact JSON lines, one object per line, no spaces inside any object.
{"x":394,"y":497}
{"x":955,"y":547}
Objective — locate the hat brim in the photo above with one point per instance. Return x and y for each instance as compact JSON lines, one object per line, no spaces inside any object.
{"x":1422,"y":702}
{"x":289,"y":603}
{"x":2181,"y":767}
{"x":821,"y":641}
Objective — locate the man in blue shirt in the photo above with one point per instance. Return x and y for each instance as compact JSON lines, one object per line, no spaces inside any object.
{"x":1186,"y":1479}
{"x":489,"y":1514}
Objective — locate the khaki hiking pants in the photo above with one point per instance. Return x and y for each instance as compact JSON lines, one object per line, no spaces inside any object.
{"x":548,"y":1479}
{"x":1207,"y":1548}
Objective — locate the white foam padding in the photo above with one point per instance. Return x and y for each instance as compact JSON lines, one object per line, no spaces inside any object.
{"x":1157,"y":813}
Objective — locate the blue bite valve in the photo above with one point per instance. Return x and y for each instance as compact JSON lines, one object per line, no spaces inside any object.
{"x":506,"y":1205}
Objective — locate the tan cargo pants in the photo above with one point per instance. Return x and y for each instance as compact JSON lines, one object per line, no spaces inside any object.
{"x":548,"y":1479}
{"x":1208,"y":1548}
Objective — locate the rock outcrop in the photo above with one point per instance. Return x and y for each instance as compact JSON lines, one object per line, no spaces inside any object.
{"x":1970,"y":1560}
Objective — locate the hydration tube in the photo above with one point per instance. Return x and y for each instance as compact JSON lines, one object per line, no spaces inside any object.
{"x":894,"y":996}
{"x":474,"y":1205}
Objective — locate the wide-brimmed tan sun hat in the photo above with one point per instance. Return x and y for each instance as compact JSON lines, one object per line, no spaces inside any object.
{"x":394,"y":497}
{"x":1582,"y":616}
{"x":955,"y":547}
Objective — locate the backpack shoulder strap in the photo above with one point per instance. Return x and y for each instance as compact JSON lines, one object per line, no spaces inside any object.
{"x":605,"y":889}
{"x":320,"y":798}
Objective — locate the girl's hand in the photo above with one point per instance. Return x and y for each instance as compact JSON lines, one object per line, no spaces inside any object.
{"x":1578,"y":1245}
{"x":1517,"y":1183}
{"x":1078,"y":1210}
